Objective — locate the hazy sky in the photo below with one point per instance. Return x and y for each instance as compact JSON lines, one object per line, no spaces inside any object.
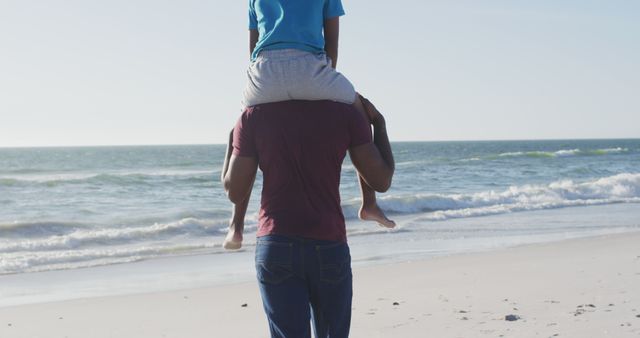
{"x":98,"y":72}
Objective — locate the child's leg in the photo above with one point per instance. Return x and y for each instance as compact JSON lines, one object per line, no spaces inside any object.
{"x":233,"y":241}
{"x":370,"y":210}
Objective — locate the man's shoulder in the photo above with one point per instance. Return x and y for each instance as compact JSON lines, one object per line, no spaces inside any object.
{"x":296,"y":106}
{"x":313,"y":116}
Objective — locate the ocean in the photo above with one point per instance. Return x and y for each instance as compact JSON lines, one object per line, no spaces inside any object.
{"x":70,"y":209}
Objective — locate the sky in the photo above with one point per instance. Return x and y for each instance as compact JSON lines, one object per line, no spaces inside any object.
{"x":118,"y":72}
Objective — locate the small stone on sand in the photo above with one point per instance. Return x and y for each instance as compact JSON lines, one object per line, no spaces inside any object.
{"x":244,"y":305}
{"x":396,"y":303}
{"x":511,"y":318}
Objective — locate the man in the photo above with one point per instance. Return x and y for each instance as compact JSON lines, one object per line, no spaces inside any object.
{"x":302,"y":258}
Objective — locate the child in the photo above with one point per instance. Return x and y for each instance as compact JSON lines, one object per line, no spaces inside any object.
{"x":294,"y":51}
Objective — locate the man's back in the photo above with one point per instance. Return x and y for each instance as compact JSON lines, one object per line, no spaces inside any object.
{"x":300,"y":146}
{"x":303,"y":264}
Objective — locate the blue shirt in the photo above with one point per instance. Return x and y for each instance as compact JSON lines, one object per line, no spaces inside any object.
{"x":291,"y":24}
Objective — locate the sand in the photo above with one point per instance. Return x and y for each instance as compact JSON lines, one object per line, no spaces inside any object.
{"x":575,"y":288}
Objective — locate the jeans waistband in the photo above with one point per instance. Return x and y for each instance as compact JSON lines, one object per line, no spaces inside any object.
{"x":297,"y":240}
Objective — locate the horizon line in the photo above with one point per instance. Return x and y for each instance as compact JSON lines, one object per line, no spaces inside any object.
{"x":404,"y":141}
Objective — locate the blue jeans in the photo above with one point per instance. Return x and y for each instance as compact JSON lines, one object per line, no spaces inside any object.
{"x":302,"y":280}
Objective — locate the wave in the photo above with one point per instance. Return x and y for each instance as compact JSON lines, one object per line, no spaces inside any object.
{"x":25,"y":171}
{"x":48,"y":246}
{"x":621,"y":188}
{"x":40,"y":246}
{"x":9,"y":182}
{"x":37,"y":229}
{"x":74,"y":259}
{"x":65,"y":236}
{"x":564,"y":152}
{"x":122,"y":179}
{"x":608,"y":151}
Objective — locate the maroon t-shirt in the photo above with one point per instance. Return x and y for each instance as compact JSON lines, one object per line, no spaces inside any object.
{"x":300,"y":146}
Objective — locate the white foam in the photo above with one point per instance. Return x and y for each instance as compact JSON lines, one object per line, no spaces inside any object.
{"x":567,"y":152}
{"x":85,"y":237}
{"x":73,"y":259}
{"x":622,"y":188}
{"x":564,"y":152}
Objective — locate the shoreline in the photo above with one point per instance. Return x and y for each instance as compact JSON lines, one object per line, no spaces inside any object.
{"x":573,"y":288}
{"x":421,"y":240}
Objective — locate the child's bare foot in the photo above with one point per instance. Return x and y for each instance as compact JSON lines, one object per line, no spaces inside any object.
{"x":233,"y":241}
{"x":374,"y":213}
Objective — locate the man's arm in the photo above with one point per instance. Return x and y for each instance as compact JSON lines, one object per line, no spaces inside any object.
{"x":238,"y":174}
{"x":239,"y":178}
{"x":253,"y":40}
{"x":374,"y":161}
{"x":331,"y":37}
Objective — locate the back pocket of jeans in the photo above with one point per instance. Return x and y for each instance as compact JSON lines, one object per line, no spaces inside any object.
{"x":273,"y":261}
{"x":335,"y":262}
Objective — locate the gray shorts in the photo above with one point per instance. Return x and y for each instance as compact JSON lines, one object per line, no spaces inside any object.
{"x":291,"y":74}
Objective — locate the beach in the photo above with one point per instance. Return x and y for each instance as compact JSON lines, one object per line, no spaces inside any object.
{"x":126,"y":242}
{"x":586,"y":287}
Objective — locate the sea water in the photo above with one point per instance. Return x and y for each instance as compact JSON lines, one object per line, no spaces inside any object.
{"x":63,"y":210}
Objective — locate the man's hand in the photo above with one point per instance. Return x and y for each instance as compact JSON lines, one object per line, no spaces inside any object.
{"x":372,"y":111}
